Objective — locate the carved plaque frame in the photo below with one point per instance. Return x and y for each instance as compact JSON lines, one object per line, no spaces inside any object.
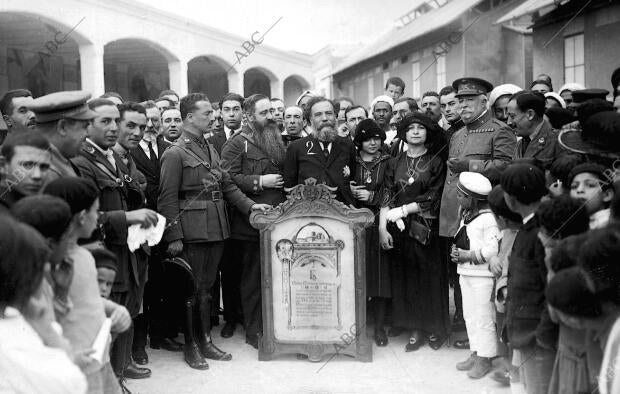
{"x":309,"y":205}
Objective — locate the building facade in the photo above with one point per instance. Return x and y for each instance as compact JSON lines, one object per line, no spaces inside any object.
{"x":438,"y":45}
{"x":136,"y":50}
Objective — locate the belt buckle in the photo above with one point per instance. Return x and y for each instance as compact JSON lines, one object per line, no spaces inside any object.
{"x":216,"y":195}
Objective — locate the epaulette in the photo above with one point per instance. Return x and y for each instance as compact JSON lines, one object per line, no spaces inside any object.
{"x":89,"y":149}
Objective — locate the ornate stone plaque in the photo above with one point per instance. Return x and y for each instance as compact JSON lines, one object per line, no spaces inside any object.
{"x":313,"y":272}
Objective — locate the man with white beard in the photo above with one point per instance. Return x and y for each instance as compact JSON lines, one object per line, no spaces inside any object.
{"x":321,"y":155}
{"x":254,"y":159}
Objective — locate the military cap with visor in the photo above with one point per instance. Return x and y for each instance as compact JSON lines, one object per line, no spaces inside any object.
{"x":62,"y":105}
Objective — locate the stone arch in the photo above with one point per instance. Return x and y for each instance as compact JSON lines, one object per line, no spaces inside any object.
{"x":42,"y":54}
{"x":136,"y":68}
{"x":258,"y":80}
{"x":293,"y":86}
{"x":208,"y":74}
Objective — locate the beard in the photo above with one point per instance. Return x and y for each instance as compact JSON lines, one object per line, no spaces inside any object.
{"x":268,"y":138}
{"x":326,"y":132}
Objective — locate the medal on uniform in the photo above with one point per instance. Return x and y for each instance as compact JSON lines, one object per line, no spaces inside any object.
{"x":410,"y":180}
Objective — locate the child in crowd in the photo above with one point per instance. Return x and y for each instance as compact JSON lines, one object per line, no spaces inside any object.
{"x":557,"y":175}
{"x":563,"y":217}
{"x":476,"y":241}
{"x":83,"y":323}
{"x":508,"y":223}
{"x":27,"y":365}
{"x":589,"y":184}
{"x":531,"y":333}
{"x":106,"y":262}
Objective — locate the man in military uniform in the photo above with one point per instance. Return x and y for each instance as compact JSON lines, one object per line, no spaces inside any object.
{"x":121,"y":203}
{"x":539,"y":140}
{"x":193,"y":184}
{"x":63,"y":117}
{"x":321,"y":155}
{"x":484,"y":145}
{"x":254,"y":158}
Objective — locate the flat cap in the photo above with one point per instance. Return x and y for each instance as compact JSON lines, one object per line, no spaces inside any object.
{"x":474,"y":185}
{"x":524,"y":181}
{"x":579,"y":96}
{"x":470,"y":86}
{"x":62,"y":105}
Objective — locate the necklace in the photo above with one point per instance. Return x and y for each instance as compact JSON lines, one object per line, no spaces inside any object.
{"x":412,"y":167}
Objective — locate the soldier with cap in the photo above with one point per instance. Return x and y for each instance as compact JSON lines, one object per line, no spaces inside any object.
{"x":63,"y":118}
{"x":580,"y":96}
{"x":122,"y":205}
{"x":485,"y":145}
{"x":191,"y":196}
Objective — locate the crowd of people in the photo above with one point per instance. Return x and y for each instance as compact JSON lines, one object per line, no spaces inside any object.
{"x":507,"y":196}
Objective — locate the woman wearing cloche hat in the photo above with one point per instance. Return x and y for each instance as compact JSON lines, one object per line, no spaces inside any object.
{"x":419,"y":279}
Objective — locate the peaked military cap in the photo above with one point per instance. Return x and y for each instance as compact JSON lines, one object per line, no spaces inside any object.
{"x":62,"y":105}
{"x":470,"y":86}
{"x":579,"y":96}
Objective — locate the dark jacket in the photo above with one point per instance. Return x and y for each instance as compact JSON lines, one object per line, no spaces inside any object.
{"x":150,"y":170}
{"x":218,"y":139}
{"x":527,"y":318}
{"x":544,"y":147}
{"x":245,"y":163}
{"x":305,"y":159}
{"x":118,"y":193}
{"x":192,"y":184}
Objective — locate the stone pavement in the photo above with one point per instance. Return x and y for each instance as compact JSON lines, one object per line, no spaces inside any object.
{"x":392,"y":371}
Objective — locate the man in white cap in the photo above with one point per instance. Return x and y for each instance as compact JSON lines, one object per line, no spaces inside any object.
{"x":63,"y":118}
{"x":498,"y":100}
{"x":381,"y":110}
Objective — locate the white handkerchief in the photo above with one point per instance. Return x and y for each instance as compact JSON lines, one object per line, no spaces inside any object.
{"x":137,"y":235}
{"x":100,"y":345}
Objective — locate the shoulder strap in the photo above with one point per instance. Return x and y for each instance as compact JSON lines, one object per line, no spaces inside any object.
{"x":195,"y":156}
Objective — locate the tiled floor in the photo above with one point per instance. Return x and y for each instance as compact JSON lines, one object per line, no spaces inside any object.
{"x":392,"y":371}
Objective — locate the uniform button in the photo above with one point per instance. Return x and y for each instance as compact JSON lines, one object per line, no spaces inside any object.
{"x":448,"y":182}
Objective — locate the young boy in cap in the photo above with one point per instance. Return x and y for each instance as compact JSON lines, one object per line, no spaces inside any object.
{"x":531,"y":332}
{"x":476,"y":241}
{"x":589,"y":184}
{"x":105,"y":261}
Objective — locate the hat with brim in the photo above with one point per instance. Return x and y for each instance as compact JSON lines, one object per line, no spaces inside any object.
{"x":600,"y":136}
{"x":470,"y":86}
{"x":62,"y":105}
{"x":409,"y":119}
{"x":367,"y":129}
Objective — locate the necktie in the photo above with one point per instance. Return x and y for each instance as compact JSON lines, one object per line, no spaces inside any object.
{"x":152,"y":154}
{"x":325,"y":150}
{"x":524,"y":143}
{"x":110,"y":157}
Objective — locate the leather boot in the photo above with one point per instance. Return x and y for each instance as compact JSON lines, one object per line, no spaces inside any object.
{"x":191,"y":352}
{"x":467,"y":364}
{"x":482,"y":366}
{"x":201,"y":325}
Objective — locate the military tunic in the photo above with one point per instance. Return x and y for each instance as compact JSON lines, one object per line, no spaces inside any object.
{"x":544,"y":146}
{"x":488,"y":146}
{"x":192,"y":184}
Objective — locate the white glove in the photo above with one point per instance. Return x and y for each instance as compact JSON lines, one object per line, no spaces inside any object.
{"x":395,"y":213}
{"x":400,"y":224}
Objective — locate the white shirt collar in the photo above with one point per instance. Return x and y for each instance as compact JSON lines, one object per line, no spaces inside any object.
{"x":106,"y":152}
{"x":528,"y":217}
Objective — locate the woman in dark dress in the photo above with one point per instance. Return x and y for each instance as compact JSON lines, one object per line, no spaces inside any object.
{"x":370,"y":192}
{"x":419,"y":279}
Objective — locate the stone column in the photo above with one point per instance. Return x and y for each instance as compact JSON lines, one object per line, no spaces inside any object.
{"x":91,"y":64}
{"x":177,"y":69}
{"x":235,"y":81}
{"x":277,"y":89}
